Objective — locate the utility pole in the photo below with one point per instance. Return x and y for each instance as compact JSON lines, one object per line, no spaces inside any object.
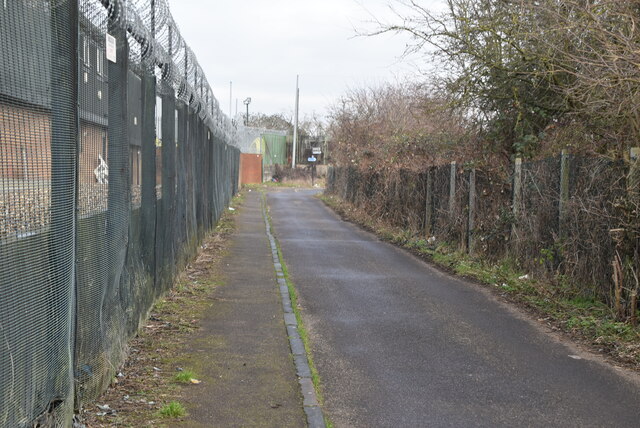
{"x":230,"y":98}
{"x":295,"y":126}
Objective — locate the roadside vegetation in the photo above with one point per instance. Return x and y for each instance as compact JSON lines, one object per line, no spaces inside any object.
{"x":506,"y":80}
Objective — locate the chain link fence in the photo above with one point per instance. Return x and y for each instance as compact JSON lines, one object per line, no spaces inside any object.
{"x":115,"y":160}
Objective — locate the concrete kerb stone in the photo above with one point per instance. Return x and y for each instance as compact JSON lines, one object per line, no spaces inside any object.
{"x":310,"y":403}
{"x":287,"y":306}
{"x":297,"y":347}
{"x":302,"y":369}
{"x":290,"y":319}
{"x":308,"y":392}
{"x":314,"y":417}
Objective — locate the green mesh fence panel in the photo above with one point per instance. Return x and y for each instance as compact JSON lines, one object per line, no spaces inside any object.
{"x":274,"y":149}
{"x":37,"y":198}
{"x":114,"y":163}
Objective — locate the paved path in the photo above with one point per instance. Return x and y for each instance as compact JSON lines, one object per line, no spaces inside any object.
{"x":399,"y":344}
{"x":245,"y":361}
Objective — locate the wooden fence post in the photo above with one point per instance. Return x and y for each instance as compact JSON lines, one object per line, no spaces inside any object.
{"x":472,"y":210}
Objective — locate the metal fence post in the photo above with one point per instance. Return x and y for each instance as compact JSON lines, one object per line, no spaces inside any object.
{"x":148,"y":168}
{"x":167,"y":226}
{"x":119,"y":199}
{"x":472,"y":209}
{"x":148,"y":184}
{"x":181,"y":179}
{"x":62,"y":248}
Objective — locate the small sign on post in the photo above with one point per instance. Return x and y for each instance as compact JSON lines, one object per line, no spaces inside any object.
{"x":316,"y":150}
{"x":312,"y":159}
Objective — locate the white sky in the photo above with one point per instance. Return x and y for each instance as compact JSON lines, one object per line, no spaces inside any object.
{"x":261,"y":45}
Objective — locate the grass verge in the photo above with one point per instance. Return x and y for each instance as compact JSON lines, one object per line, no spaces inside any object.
{"x":148,"y":387}
{"x":585,"y":320}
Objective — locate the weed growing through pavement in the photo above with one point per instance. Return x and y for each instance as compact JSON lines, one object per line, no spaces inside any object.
{"x":172,"y":410}
{"x":184,"y":376}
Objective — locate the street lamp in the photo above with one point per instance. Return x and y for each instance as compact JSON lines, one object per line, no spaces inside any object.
{"x":246,"y":102}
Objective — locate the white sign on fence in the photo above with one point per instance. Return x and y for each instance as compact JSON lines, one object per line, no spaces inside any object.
{"x":111,"y":48}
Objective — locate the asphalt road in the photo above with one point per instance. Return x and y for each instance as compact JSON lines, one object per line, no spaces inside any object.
{"x":399,"y":344}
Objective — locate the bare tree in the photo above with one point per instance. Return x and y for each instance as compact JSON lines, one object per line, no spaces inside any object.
{"x":394,"y":124}
{"x":523,"y":69}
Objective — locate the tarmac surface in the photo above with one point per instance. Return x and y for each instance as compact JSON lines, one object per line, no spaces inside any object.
{"x":398,"y":343}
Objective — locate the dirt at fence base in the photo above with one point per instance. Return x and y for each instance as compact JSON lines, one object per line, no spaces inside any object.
{"x":146,"y":380}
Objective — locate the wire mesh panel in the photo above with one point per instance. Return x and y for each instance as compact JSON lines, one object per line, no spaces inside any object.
{"x":493,"y":216}
{"x":253,"y":140}
{"x":154,"y":177}
{"x":597,"y":189}
{"x":536,"y":229}
{"x":441,"y":212}
{"x":275,"y":149}
{"x":103,"y":232}
{"x":114,"y":161}
{"x":37,"y":197}
{"x":412,"y":191}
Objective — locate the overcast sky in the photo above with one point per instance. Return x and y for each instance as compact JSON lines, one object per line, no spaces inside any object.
{"x":261,"y":46}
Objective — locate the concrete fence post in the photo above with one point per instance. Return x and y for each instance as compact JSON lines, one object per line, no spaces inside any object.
{"x":633,"y":179}
{"x":452,"y":189}
{"x":564,"y":191}
{"x":472,"y":210}
{"x":428,"y":204}
{"x":516,"y":195}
